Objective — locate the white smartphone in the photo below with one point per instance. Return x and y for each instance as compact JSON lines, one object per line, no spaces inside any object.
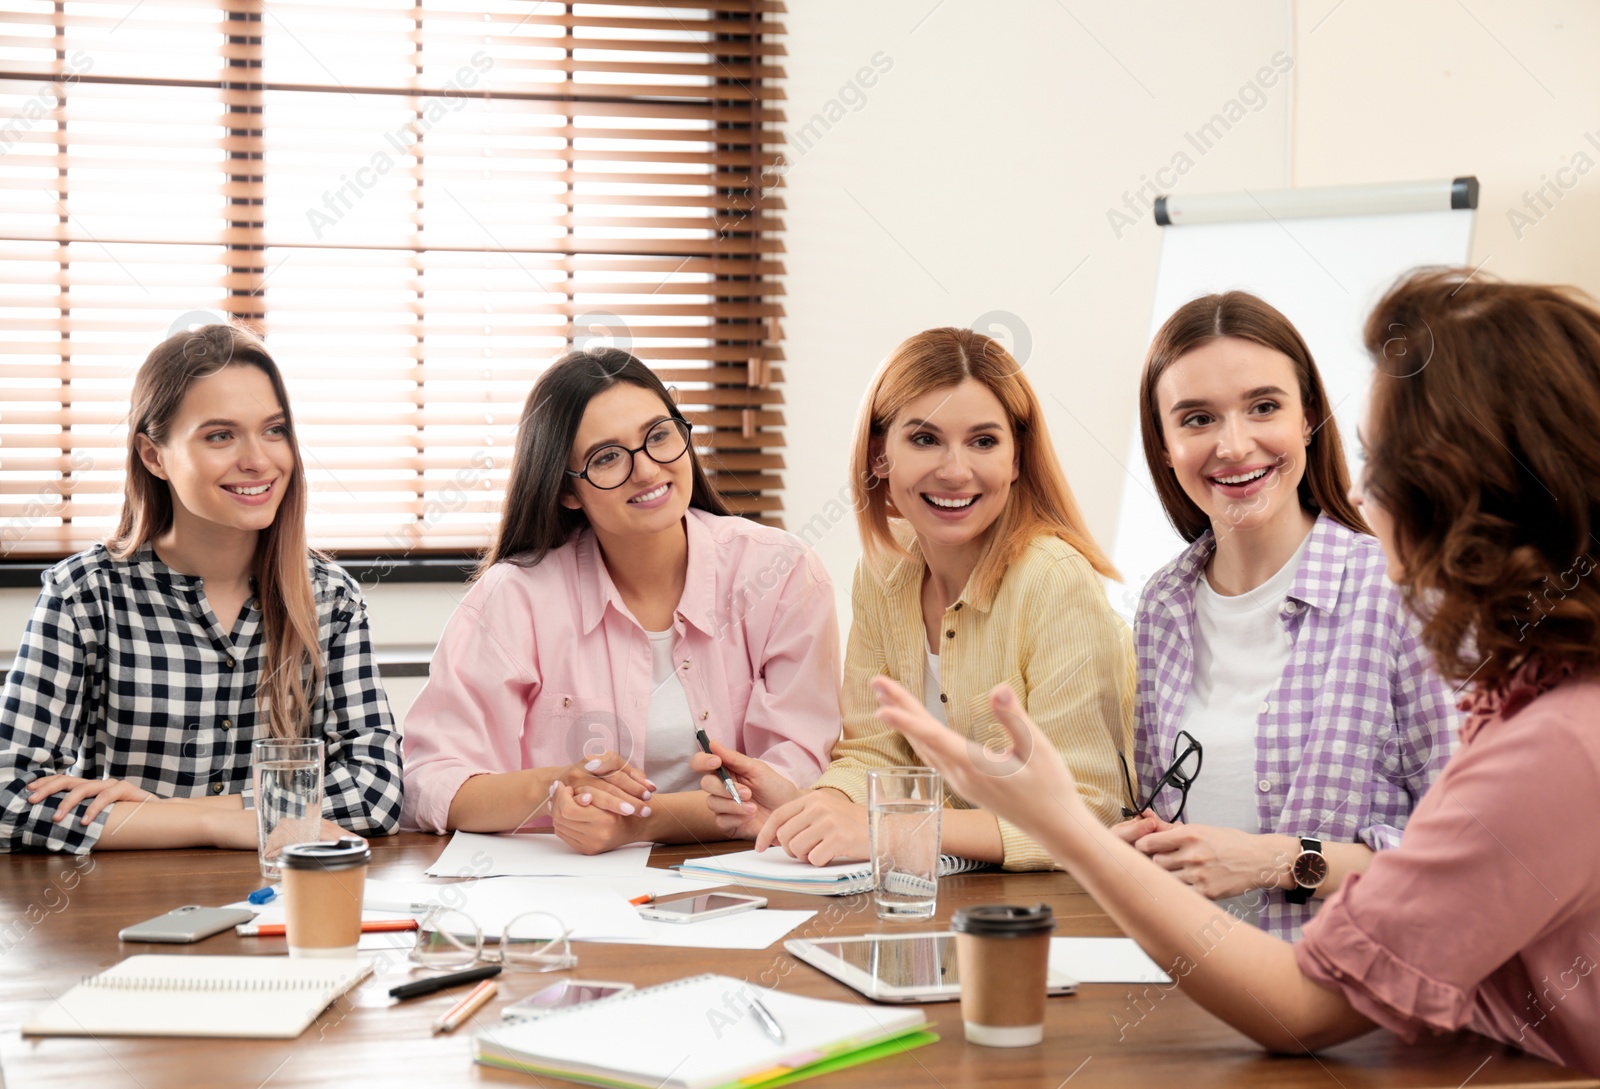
{"x":558,"y":996}
{"x":185,"y":924}
{"x":707,"y":905}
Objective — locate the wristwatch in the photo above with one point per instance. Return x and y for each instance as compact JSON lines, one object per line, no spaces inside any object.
{"x":1309,"y":870}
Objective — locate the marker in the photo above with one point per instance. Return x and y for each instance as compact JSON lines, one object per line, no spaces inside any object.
{"x":466,"y":1007}
{"x":440,"y":983}
{"x":645,"y":899}
{"x":722,"y":772}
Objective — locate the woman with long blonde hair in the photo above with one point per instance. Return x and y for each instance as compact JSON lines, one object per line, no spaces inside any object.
{"x":977,"y":570}
{"x":153,"y":661}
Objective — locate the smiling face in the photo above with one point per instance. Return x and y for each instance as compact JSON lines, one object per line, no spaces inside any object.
{"x":228,"y":456}
{"x":653,"y":497}
{"x":1235,"y":433}
{"x":950,"y":458}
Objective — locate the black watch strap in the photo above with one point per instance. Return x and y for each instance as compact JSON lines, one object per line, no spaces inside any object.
{"x":1301,"y":894}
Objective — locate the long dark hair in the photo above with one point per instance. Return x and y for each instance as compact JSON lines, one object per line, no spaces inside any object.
{"x":1325,"y":485}
{"x":533,"y":521}
{"x":1485,"y":451}
{"x":292,"y":650}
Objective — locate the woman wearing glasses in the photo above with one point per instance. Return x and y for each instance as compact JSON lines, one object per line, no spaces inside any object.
{"x":978,"y":570}
{"x":1483,"y":485}
{"x":1287,"y":711}
{"x":619,"y":611}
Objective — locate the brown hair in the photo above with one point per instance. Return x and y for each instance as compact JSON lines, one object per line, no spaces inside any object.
{"x":1324,"y":486}
{"x":1485,"y":451}
{"x":292,"y":654}
{"x":1041,"y":501}
{"x":533,"y":520}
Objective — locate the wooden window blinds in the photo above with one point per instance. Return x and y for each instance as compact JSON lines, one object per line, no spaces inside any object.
{"x":419,"y":202}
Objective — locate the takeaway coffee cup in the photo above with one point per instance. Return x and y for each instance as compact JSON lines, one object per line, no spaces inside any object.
{"x":1003,"y":955}
{"x":322,"y":886}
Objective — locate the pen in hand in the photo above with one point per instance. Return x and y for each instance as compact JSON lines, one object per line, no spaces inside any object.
{"x":722,"y":772}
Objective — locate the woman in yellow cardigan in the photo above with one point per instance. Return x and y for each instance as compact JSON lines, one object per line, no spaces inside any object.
{"x":977,"y":570}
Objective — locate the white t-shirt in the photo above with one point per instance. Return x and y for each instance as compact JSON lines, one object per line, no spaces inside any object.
{"x":669,"y":738}
{"x":931,"y":687}
{"x":1240,"y":652}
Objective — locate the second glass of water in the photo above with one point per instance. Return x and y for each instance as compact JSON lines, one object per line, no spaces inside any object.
{"x":287,"y":776}
{"x":903,"y":811}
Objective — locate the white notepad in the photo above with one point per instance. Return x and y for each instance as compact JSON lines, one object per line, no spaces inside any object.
{"x":690,"y":1034}
{"x":262,"y":997}
{"x":775,"y":869}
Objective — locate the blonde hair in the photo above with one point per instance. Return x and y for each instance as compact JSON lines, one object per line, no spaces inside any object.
{"x":1041,"y":501}
{"x":292,"y":665}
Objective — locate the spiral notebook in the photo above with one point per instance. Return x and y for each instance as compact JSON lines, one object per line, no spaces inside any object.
{"x":774,"y":869}
{"x":263,"y":997}
{"x":700,"y":1033}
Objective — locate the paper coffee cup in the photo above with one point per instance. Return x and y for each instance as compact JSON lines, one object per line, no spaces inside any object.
{"x":1003,"y":957}
{"x":322,"y":887}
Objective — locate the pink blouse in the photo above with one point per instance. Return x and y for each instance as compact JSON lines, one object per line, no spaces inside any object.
{"x":1487,"y":916}
{"x":544,"y":666}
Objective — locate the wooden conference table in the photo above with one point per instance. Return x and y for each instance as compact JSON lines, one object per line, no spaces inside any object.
{"x":59,"y":917}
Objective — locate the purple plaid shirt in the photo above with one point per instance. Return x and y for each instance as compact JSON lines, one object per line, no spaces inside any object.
{"x":1352,"y":734}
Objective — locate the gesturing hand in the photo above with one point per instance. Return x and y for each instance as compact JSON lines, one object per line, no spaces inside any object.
{"x":1026,"y":783}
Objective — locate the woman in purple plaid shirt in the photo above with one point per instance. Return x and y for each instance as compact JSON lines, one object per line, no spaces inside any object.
{"x":1275,"y":639}
{"x":1483,"y":486}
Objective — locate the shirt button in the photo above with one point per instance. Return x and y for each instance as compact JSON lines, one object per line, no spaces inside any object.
{"x":566,"y":701}
{"x":704,"y":715}
{"x":1266,"y":707}
{"x":216,"y":788}
{"x":1265,"y":785}
{"x":227,"y":724}
{"x":943,"y":698}
{"x":950,"y":634}
{"x":1289,"y":608}
{"x":956,"y":606}
{"x":230,"y":663}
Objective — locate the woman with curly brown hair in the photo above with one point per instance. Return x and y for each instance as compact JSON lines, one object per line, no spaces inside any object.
{"x":1483,"y":487}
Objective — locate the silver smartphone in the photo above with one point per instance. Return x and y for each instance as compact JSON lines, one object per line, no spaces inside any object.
{"x":560,"y":995}
{"x":185,"y":924}
{"x":709,"y":905}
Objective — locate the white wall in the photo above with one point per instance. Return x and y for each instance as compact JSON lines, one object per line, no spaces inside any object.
{"x":976,"y":174}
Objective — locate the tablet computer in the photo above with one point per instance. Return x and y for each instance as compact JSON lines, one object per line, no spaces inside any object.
{"x":898,"y":967}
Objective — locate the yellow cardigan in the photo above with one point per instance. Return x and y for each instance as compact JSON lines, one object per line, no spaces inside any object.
{"x":1047,"y":630}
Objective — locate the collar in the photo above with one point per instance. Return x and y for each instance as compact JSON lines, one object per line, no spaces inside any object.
{"x":904,"y":578}
{"x":1316,"y":581}
{"x":1532,"y":679}
{"x":596,"y":590}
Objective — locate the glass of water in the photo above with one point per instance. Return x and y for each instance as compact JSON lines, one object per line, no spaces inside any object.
{"x":287,"y":773}
{"x":903,"y":809}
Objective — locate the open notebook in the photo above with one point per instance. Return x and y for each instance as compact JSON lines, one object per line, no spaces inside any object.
{"x":774,"y":869}
{"x":699,"y":1033}
{"x":152,"y":995}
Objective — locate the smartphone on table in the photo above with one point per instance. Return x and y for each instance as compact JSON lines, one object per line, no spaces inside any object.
{"x":708,"y":905}
{"x":560,"y":995}
{"x":185,"y":924}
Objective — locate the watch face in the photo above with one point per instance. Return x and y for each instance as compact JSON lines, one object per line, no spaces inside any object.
{"x":1310,"y":869}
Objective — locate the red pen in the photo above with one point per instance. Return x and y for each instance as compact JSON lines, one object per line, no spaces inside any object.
{"x":370,"y":926}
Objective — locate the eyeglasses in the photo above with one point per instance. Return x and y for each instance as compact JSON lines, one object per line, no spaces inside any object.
{"x":610,"y":466}
{"x":453,"y":939}
{"x":1181,"y":773}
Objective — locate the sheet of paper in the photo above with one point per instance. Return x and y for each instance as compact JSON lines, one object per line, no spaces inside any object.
{"x":1104,"y":960}
{"x":746,"y":930}
{"x":492,"y":903}
{"x":776,"y":862}
{"x":661,"y":884}
{"x":473,"y":854}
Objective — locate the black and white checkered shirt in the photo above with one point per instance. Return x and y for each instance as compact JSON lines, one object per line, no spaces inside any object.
{"x":124,"y":673}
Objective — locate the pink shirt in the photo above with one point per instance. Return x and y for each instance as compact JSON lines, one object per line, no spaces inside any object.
{"x":1487,"y":916}
{"x":543,"y":666}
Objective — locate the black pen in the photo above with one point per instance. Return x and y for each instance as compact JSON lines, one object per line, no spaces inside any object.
{"x":722,"y":772}
{"x":420,"y":987}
